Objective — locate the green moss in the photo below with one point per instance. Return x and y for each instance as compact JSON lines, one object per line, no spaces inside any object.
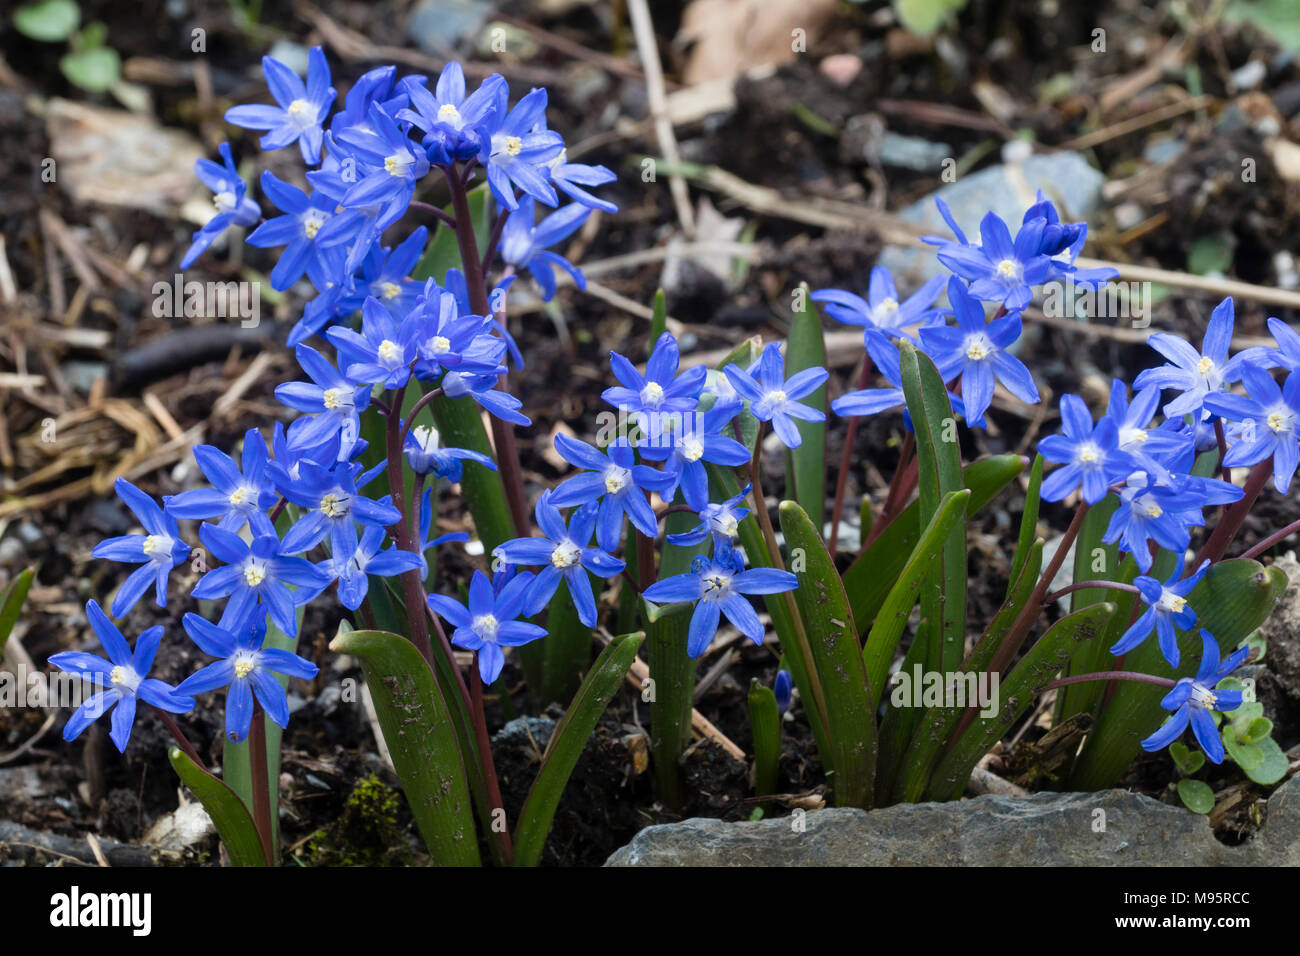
{"x":367,"y":833}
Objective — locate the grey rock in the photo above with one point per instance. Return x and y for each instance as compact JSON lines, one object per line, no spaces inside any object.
{"x":1043,"y":829}
{"x":1065,"y":178}
{"x":518,"y":731}
{"x":1282,"y":631}
{"x":912,"y":152}
{"x":438,"y":26}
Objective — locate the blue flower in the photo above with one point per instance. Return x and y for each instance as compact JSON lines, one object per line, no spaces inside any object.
{"x":333,"y":401}
{"x":1193,"y":698}
{"x":719,"y":585}
{"x":247,"y":668}
{"x":393,"y":165}
{"x":977,"y":352}
{"x":301,"y":111}
{"x":722,"y":521}
{"x":311,"y":229}
{"x":870,"y":401}
{"x":1089,"y":455}
{"x":660,"y":397}
{"x":1152,"y":449}
{"x":1287,"y":354}
{"x":615,"y":479}
{"x":1163,"y":513}
{"x":489,"y":622}
{"x":567,"y":555}
{"x":229,"y":195}
{"x":1268,"y":418}
{"x":258,"y":573}
{"x":382,"y":353}
{"x":881,"y":309}
{"x":236,"y":498}
{"x":571,"y":177}
{"x":124,"y":674}
{"x":368,"y":559}
{"x":157,"y":551}
{"x":1196,"y":374}
{"x":335,"y":508}
{"x":1001,"y":270}
{"x":698,"y":442}
{"x":524,"y":245}
{"x":449,"y":119}
{"x":426,"y":456}
{"x":384,"y":274}
{"x":515,"y":150}
{"x":773,"y":398}
{"x":783,"y":690}
{"x":1166,"y":608}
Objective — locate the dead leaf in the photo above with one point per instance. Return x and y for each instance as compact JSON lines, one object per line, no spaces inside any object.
{"x":732,"y":36}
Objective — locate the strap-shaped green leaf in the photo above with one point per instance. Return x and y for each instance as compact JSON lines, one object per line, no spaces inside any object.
{"x":885,"y":633}
{"x":1049,"y":655}
{"x":871,"y":576}
{"x":836,"y":658}
{"x":443,"y":251}
{"x":421,"y":739}
{"x":938,"y":723}
{"x":234,"y":824}
{"x":1232,"y":600}
{"x":939,"y":472}
{"x":1028,"y":522}
{"x":765,"y":724}
{"x":568,"y":649}
{"x":806,"y":348}
{"x":567,"y":743}
{"x":12,"y":603}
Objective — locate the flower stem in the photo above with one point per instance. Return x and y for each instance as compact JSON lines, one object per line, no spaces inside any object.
{"x":1231,"y":520}
{"x":261,"y":782}
{"x":1087,"y":585}
{"x":1112,"y":676}
{"x":900,"y":489}
{"x":503,"y":434}
{"x":485,"y":747}
{"x":170,"y":723}
{"x":1272,"y":539}
{"x":846,"y":461}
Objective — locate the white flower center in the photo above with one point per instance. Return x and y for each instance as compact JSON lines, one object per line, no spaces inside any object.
{"x":565,"y":555}
{"x":715,"y":585}
{"x":692,"y":448}
{"x":1205,"y":365}
{"x":485,"y":626}
{"x":335,"y":398}
{"x":254,"y":574}
{"x":397,"y":164}
{"x":1008,"y":268}
{"x":245,"y":663}
{"x":125,"y":678}
{"x":652,"y":395}
{"x":439,"y":345}
{"x":224,"y":201}
{"x":312,"y":220}
{"x":978,"y":347}
{"x":389,"y":350}
{"x":1088,"y":454}
{"x":616,"y":479}
{"x":391,"y":290}
{"x":1171,"y":602}
{"x":450,"y":115}
{"x":335,"y":505}
{"x":1203,"y":696}
{"x":157,"y":545}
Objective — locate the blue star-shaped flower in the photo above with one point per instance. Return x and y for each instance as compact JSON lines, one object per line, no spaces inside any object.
{"x":1193,"y":698}
{"x":157,"y":551}
{"x":301,"y":110}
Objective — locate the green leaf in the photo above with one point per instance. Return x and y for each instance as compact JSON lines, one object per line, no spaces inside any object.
{"x":1015,"y":695}
{"x":1187,"y":761}
{"x":1212,"y":253}
{"x":1196,"y":795}
{"x":1231,"y":601}
{"x":568,"y":649}
{"x":94,"y":70}
{"x":882,"y":640}
{"x":836,"y":659}
{"x":228,"y":813}
{"x":924,"y":17}
{"x":871,"y":576}
{"x":939,"y":472}
{"x":765,"y":724}
{"x":49,"y":21}
{"x":1273,"y":764}
{"x":806,"y":349}
{"x":1248,"y":757}
{"x":567,"y":744}
{"x":1028,"y":522}
{"x":417,"y":729}
{"x":11,"y":604}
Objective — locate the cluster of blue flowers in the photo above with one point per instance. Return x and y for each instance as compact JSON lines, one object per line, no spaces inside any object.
{"x":294,"y":517}
{"x":1147,"y":466}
